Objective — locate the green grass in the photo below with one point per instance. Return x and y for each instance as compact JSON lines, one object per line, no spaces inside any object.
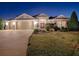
{"x":54,"y":44}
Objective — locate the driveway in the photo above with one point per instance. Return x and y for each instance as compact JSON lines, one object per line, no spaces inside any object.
{"x":14,"y":42}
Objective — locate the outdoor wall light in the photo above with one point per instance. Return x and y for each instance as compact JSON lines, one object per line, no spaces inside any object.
{"x":35,"y":22}
{"x":14,"y":23}
{"x":6,"y":23}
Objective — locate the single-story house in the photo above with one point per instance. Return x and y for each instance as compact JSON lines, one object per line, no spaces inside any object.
{"x":25,"y":21}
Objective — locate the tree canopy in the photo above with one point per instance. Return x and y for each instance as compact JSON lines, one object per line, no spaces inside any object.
{"x":73,"y":23}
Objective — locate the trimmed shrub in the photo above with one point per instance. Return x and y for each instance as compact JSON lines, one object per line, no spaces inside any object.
{"x":64,"y":29}
{"x":56,"y":28}
{"x":36,"y":31}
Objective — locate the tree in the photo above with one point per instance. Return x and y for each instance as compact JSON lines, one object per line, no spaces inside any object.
{"x":73,"y":22}
{"x":1,"y":24}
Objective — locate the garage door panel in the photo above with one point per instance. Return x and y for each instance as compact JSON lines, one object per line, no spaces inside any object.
{"x":24,"y":24}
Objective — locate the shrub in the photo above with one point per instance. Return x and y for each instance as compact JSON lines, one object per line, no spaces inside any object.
{"x":64,"y":29}
{"x":50,"y":27}
{"x":36,"y":31}
{"x":47,"y":27}
{"x":56,"y":28}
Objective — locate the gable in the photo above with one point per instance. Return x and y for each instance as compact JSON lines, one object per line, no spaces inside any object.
{"x":24,"y":16}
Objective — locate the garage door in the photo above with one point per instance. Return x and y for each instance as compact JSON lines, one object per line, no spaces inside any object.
{"x":27,"y":24}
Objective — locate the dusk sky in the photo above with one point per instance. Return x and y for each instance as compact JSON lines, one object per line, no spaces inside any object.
{"x":10,"y":10}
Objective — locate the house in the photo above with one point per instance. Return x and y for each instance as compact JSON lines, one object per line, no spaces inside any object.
{"x":25,"y":21}
{"x":60,"y":21}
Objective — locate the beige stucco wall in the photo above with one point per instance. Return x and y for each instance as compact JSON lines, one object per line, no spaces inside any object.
{"x":30,"y":24}
{"x":42,"y":20}
{"x":11,"y":25}
{"x":61,"y":23}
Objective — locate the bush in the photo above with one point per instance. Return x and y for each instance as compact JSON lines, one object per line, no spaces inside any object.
{"x":64,"y":29}
{"x":56,"y":28}
{"x":36,"y":31}
{"x":47,"y":27}
{"x":50,"y":27}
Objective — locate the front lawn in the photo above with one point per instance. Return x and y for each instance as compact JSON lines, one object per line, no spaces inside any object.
{"x":54,"y":43}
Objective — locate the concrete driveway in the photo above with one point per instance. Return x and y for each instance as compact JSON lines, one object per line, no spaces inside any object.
{"x":14,"y":42}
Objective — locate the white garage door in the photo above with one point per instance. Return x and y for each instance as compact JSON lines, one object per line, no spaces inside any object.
{"x":24,"y":24}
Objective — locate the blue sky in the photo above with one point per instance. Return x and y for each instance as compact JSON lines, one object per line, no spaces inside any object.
{"x":11,"y":9}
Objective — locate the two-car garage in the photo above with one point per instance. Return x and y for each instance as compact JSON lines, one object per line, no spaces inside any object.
{"x":22,"y":22}
{"x":19,"y":25}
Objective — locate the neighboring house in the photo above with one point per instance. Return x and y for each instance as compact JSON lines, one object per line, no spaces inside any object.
{"x":25,"y":21}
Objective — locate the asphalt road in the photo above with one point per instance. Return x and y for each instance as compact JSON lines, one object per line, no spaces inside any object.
{"x":14,"y":42}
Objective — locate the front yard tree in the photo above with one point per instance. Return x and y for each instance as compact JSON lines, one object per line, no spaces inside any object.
{"x":73,"y":22}
{"x":1,"y":24}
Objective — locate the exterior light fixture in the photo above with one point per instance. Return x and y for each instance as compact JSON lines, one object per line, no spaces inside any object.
{"x":7,"y":23}
{"x":35,"y":22}
{"x":14,"y":23}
